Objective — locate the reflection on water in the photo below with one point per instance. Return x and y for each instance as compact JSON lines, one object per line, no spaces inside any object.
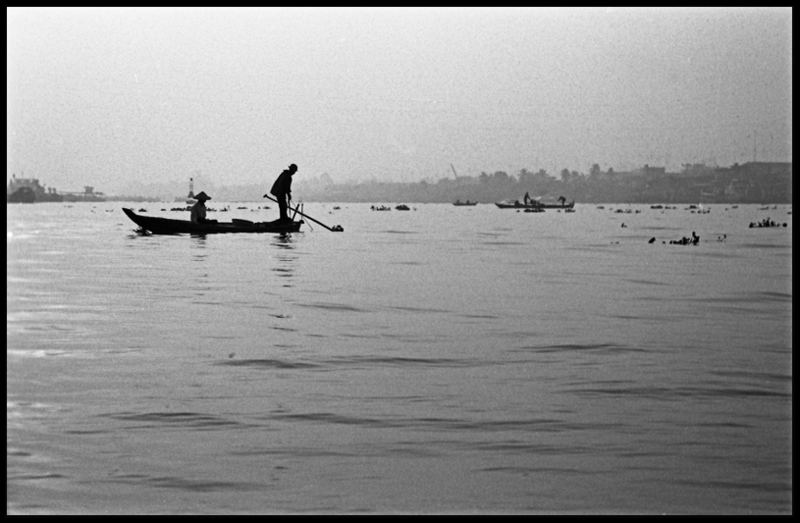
{"x":284,"y":240}
{"x":198,"y":247}
{"x":286,"y":256}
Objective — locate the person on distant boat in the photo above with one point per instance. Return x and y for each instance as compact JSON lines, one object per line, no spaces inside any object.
{"x":282,"y":190}
{"x":199,"y":208}
{"x":527,"y":198}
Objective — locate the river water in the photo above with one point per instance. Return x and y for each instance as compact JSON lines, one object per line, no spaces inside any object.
{"x":445,"y":359}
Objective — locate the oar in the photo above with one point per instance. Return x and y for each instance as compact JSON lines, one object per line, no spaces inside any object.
{"x":335,"y":228}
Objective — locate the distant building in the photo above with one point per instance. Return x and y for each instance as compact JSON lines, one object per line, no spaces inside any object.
{"x":652,"y":171}
{"x":696,"y":169}
{"x":767,"y":168}
{"x":758,"y":181}
{"x":736,"y":189}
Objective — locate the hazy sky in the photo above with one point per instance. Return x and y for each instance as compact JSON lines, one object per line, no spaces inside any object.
{"x":103,"y":96}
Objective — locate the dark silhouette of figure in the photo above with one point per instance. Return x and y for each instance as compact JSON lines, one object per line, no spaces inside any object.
{"x":694,"y":240}
{"x":282,"y":191}
{"x":527,"y":198}
{"x":199,"y":209}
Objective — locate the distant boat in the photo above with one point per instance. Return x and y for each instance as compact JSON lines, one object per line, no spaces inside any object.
{"x":22,"y":195}
{"x":561,"y":203}
{"x":402,"y":207}
{"x":516,"y":204}
{"x":536,"y":203}
{"x":88,"y":195}
{"x":766,"y":222}
{"x":459,"y":203}
{"x":28,"y":190}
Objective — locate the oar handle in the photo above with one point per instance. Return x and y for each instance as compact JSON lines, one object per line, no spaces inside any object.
{"x":336,"y":228}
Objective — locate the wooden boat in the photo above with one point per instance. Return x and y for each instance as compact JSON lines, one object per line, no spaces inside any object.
{"x":536,"y":204}
{"x":516,"y":204}
{"x":569,"y":205}
{"x":169,"y":226}
{"x":459,"y":203}
{"x":561,"y":203}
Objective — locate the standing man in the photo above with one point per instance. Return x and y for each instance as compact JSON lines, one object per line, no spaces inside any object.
{"x":282,"y":190}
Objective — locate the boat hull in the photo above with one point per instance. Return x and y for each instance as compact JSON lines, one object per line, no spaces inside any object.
{"x":569,"y":205}
{"x":22,"y":195}
{"x":158,"y":225}
{"x":535,"y":205}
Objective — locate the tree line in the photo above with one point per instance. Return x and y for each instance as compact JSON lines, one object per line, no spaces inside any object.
{"x":753,"y":182}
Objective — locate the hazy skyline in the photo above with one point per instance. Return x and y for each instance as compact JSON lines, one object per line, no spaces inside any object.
{"x":106,"y":96}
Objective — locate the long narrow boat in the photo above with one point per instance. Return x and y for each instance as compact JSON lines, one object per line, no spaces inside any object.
{"x":557,"y":205}
{"x":535,"y":204}
{"x":516,"y":204}
{"x":169,"y":226}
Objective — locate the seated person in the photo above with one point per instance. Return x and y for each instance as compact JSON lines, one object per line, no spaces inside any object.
{"x":199,"y":208}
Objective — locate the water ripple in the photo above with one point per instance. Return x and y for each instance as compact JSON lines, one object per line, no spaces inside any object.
{"x":750,"y":298}
{"x":417,"y":309}
{"x":269,"y":364}
{"x":771,"y":487}
{"x":189,"y":485}
{"x":33,"y":477}
{"x":338,"y":307}
{"x":753,"y":375}
{"x":646,"y":282}
{"x":185,"y":419}
{"x":674,"y":393}
{"x":351,"y":362}
{"x":762,"y":246}
{"x":440,"y":424}
{"x":336,"y":419}
{"x":501,"y":243}
{"x":604,"y":348}
{"x":398,"y":361}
